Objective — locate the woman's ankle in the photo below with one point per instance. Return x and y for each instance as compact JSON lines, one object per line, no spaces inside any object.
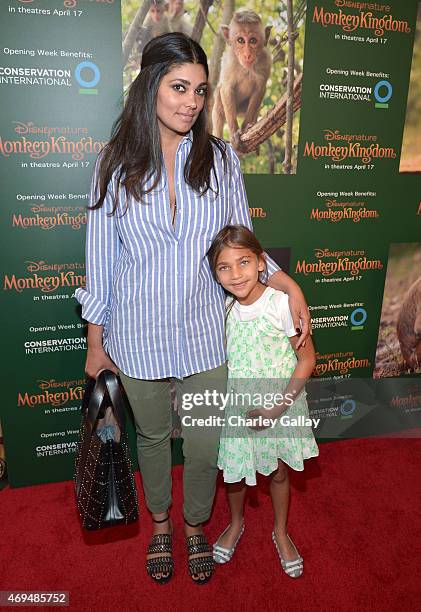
{"x":161,"y":523}
{"x":191,"y":528}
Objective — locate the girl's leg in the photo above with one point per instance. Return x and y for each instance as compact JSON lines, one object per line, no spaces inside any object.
{"x":236,"y":493}
{"x":279,"y":491}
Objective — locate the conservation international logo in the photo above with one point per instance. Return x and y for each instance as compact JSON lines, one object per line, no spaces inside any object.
{"x":383,"y":92}
{"x":88,"y":76}
{"x":357,"y":319}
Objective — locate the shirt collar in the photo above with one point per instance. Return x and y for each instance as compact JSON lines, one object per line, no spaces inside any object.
{"x":188,"y":137}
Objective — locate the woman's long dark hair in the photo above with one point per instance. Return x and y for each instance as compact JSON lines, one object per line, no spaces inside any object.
{"x":134,"y":150}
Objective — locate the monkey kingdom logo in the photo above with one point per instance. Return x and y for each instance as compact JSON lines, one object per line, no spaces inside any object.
{"x":343,"y":213}
{"x":73,"y":392}
{"x":352,"y":262}
{"x":351,"y":149}
{"x":60,"y":275}
{"x":37,"y":149}
{"x":340,"y":363}
{"x":364,"y":20}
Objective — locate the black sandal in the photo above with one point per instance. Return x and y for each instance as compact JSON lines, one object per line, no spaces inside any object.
{"x":161,"y":568}
{"x":197,"y":544}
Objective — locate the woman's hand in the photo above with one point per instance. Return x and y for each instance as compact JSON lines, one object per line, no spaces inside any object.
{"x":300,"y":315}
{"x":297,"y":304}
{"x":96,"y":358}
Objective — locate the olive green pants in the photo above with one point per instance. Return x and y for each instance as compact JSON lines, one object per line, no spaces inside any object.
{"x":151,"y":404}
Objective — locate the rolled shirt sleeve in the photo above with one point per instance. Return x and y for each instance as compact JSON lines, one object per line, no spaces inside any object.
{"x":101,"y":250}
{"x":241,"y":211}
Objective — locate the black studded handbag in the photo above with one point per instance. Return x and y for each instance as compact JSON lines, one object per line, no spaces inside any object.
{"x":106,"y":492}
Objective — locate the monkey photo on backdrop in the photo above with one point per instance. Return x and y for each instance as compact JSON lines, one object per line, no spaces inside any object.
{"x":179,"y":19}
{"x":399,"y":342}
{"x":155,"y":24}
{"x":245,"y":70}
{"x":255,"y":52}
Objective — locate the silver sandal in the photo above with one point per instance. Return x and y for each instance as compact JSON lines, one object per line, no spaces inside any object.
{"x":223,"y":555}
{"x":294,"y":568}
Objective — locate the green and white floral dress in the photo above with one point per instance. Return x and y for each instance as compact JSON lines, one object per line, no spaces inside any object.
{"x":261,"y":361}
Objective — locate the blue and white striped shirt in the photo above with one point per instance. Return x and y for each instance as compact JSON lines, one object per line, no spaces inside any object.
{"x":149,"y":283}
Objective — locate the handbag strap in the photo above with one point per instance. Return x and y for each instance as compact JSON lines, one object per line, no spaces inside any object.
{"x":114,"y":391}
{"x":106,"y":381}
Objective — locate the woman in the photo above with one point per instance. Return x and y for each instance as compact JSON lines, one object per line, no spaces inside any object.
{"x":162,"y":189}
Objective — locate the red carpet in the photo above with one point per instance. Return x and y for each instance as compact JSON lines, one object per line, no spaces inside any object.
{"x":355,"y":517}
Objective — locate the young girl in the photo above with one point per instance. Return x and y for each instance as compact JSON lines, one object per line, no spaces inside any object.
{"x":261,"y":342}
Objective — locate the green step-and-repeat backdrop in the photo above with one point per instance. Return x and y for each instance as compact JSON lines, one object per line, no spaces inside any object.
{"x":334,"y":185}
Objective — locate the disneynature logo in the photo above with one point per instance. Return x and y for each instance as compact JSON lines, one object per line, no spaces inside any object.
{"x":46,"y":278}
